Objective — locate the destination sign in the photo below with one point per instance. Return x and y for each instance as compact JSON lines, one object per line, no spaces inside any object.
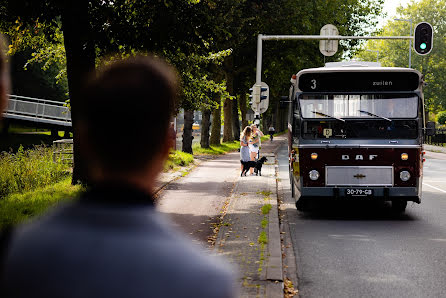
{"x":358,"y":81}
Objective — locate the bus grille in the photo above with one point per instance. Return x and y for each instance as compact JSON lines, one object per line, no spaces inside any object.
{"x":359,"y":176}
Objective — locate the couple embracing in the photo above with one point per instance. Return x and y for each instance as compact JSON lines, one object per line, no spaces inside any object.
{"x":249,"y":145}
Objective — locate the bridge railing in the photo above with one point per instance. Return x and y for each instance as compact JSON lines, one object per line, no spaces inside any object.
{"x":38,"y":108}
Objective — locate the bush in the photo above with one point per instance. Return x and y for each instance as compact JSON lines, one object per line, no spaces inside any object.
{"x":441,"y":117}
{"x":28,"y":170}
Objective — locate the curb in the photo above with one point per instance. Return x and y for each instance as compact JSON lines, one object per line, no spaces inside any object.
{"x":274,"y":266}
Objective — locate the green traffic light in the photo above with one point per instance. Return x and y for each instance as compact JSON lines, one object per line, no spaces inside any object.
{"x":423,"y":46}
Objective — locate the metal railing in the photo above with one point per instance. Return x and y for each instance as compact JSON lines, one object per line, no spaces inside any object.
{"x":439,"y":138}
{"x":38,"y":110}
{"x":63,"y":151}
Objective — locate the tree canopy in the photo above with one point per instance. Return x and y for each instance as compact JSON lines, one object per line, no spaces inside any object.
{"x":212,"y":43}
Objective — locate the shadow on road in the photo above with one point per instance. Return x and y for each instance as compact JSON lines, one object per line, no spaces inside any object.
{"x":353,"y":210}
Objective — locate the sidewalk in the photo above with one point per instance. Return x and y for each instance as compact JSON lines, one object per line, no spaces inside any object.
{"x":248,"y":235}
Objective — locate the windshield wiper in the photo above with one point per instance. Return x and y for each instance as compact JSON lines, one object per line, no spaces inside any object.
{"x":329,"y":116}
{"x":374,"y":115}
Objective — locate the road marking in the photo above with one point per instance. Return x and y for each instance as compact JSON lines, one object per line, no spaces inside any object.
{"x":435,"y":187}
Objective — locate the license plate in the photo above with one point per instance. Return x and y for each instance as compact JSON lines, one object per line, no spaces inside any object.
{"x":358,"y":192}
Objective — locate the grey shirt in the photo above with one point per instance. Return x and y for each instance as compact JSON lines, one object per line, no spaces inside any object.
{"x":110,"y":243}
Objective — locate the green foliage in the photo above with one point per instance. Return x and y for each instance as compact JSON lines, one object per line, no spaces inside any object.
{"x":441,"y":117}
{"x":266,"y":208}
{"x":396,"y":53}
{"x":263,"y":239}
{"x":16,"y":208}
{"x":27,"y":170}
{"x":266,"y":194}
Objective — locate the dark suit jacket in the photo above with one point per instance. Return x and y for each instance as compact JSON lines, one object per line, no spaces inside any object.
{"x":110,"y":243}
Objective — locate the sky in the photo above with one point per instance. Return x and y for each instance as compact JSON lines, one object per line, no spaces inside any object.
{"x":390,"y":8}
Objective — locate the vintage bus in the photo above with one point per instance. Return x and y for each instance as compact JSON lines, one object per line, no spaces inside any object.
{"x":356,"y":131}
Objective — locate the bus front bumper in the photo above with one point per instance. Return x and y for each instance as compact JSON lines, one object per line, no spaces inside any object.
{"x":378,"y":193}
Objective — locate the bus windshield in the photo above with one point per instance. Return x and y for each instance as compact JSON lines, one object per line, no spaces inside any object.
{"x":342,"y":106}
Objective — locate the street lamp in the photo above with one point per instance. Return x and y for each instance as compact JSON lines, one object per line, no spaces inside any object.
{"x":377,"y":54}
{"x":410,"y":40}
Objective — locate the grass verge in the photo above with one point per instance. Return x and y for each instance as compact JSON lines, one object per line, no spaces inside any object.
{"x":216,"y":150}
{"x":28,"y":170}
{"x":178,"y":159}
{"x":18,"y":207}
{"x":31,"y":183}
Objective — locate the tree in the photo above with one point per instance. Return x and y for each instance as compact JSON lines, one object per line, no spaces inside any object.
{"x":101,"y":27}
{"x":192,"y":35}
{"x":78,"y":42}
{"x":441,"y":117}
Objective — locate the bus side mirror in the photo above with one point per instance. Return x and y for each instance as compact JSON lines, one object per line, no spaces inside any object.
{"x":430,"y":128}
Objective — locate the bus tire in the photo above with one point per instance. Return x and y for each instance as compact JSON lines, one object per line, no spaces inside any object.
{"x":301,"y":204}
{"x":399,"y":206}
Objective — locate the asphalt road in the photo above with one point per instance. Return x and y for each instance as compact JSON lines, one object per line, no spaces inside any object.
{"x":363,"y":250}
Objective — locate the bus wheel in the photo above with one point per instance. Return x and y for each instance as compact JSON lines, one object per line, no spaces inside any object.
{"x":301,"y":204}
{"x":399,"y":206}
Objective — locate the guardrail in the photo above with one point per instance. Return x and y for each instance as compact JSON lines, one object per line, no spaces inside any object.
{"x":439,"y":138}
{"x":63,"y":151}
{"x":37,"y":109}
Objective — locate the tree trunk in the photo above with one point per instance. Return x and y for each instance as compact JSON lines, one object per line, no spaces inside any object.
{"x":187,"y":131}
{"x":80,"y":53}
{"x":205,"y":125}
{"x":243,"y":110}
{"x":227,"y":115}
{"x":228,"y":134}
{"x":235,"y":120}
{"x":216,"y":126}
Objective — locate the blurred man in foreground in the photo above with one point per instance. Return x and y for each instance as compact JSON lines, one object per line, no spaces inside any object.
{"x":112,"y":242}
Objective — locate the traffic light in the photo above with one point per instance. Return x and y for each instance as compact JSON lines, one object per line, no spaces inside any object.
{"x":264,"y":94}
{"x":259,"y":98}
{"x":423,"y":38}
{"x":250,"y":97}
{"x":255,"y":94}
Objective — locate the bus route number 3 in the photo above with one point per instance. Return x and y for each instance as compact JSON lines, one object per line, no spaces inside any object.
{"x":313,"y":84}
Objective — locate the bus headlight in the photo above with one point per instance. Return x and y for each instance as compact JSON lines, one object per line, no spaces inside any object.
{"x":313,"y":156}
{"x":404,"y":156}
{"x":314,"y":175}
{"x":404,"y":175}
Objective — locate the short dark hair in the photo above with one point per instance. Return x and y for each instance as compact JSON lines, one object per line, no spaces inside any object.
{"x":126,"y":110}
